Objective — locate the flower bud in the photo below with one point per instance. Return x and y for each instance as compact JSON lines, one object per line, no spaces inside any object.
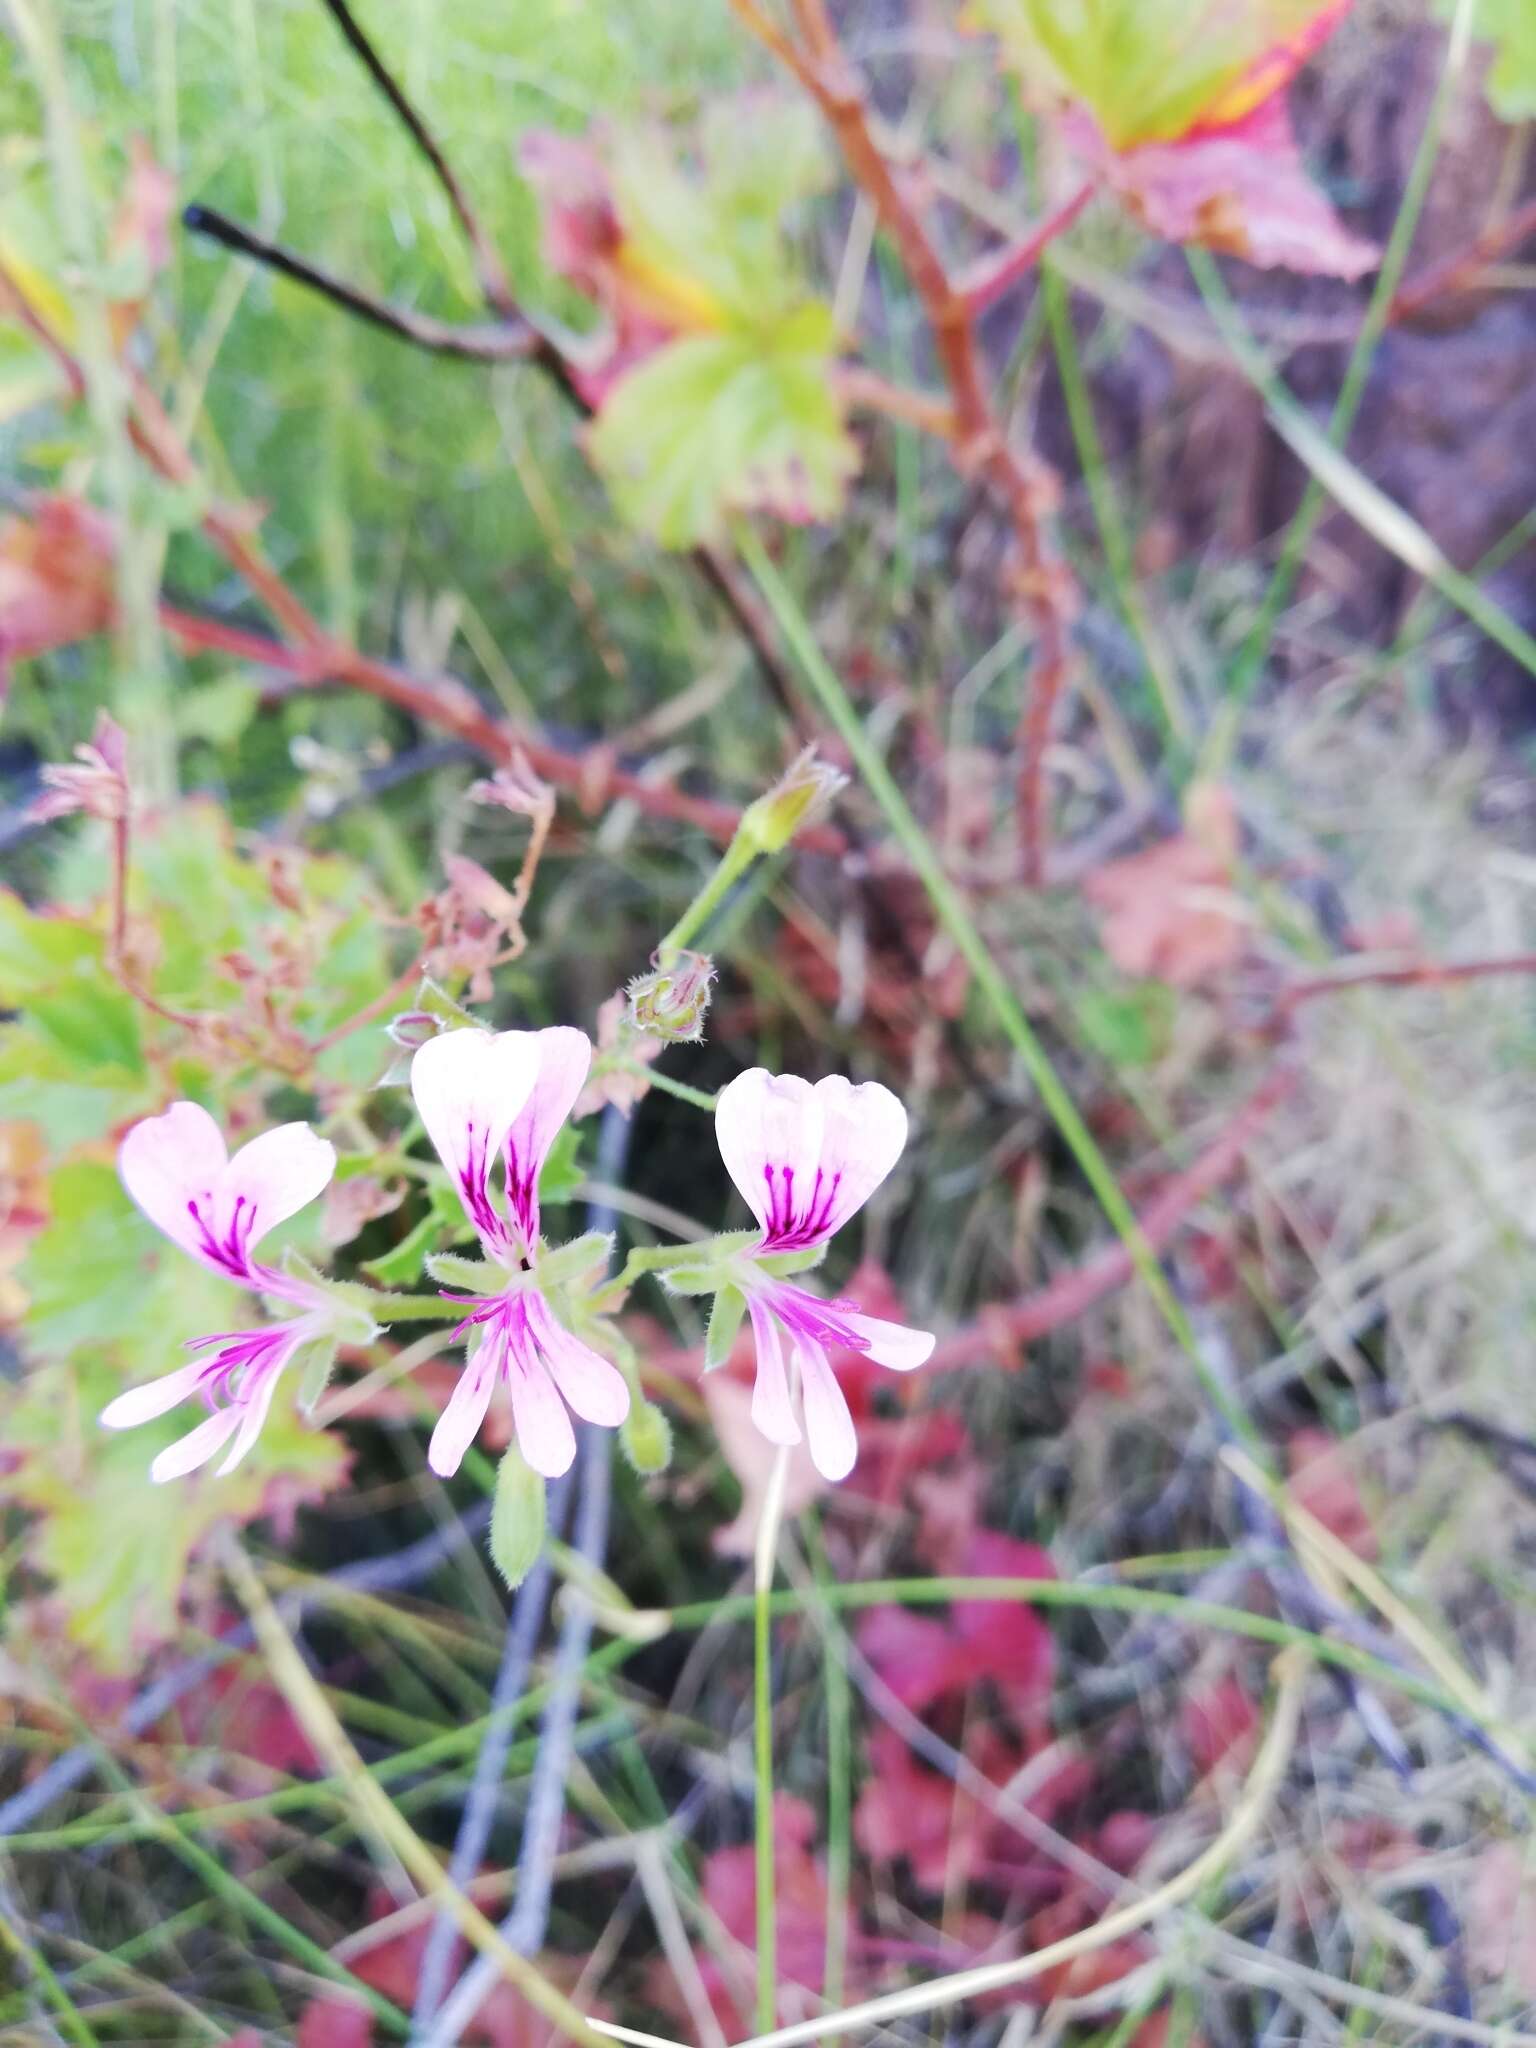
{"x":805,"y":788}
{"x":518,"y":1516}
{"x":646,"y":1437}
{"x":671,"y":1002}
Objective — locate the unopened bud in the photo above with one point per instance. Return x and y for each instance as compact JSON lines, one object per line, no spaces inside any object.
{"x":646,"y":1436}
{"x":671,"y":1002}
{"x":411,"y":1029}
{"x":518,"y":1515}
{"x":804,"y":790}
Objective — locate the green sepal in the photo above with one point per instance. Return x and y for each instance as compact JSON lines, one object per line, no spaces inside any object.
{"x":782,"y":1264}
{"x":518,"y":1517}
{"x":351,"y":1304}
{"x":479,"y":1276}
{"x":724,"y":1321}
{"x":433,"y":997}
{"x":298,"y":1267}
{"x":707,"y":1274}
{"x":693,"y":1279}
{"x":584,"y":1258}
{"x":319,"y":1364}
{"x":645,"y":1436}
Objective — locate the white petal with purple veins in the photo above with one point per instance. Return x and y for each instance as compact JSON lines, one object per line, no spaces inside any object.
{"x":772,"y":1409}
{"x":829,"y":1429}
{"x":469,"y":1087}
{"x":589,"y":1383}
{"x":564,"y":1056}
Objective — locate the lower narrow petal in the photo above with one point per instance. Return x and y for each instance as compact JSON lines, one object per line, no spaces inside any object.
{"x":459,"y":1423}
{"x":154,"y":1398}
{"x":255,"y":1400}
{"x":195,"y":1449}
{"x":590,"y":1384}
{"x":890,"y":1344}
{"x":828,"y":1425}
{"x":772,"y":1409}
{"x":544,"y":1433}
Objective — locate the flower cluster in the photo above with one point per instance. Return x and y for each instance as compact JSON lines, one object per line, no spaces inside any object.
{"x":804,"y":1157}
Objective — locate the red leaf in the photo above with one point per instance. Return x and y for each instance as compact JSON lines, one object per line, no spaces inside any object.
{"x":1218,"y":1724}
{"x":56,"y":578}
{"x":1242,"y":189}
{"x":1170,"y":912}
{"x":1322,"y":1482}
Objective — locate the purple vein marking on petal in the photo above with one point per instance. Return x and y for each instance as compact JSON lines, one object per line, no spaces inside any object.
{"x":231,"y":1254}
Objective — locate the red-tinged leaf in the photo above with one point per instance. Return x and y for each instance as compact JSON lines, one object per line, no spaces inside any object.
{"x":1242,"y":190}
{"x":56,"y":578}
{"x":1323,"y":1482}
{"x":728,"y":1885}
{"x":1219,"y":1724}
{"x":334,"y":2021}
{"x":1080,"y":1976}
{"x":391,"y":1964}
{"x":140,"y":245}
{"x":909,"y":1813}
{"x":915,"y":1655}
{"x":1005,"y":1640}
{"x":1170,"y":912}
{"x":1158,"y":70}
{"x":1124,"y":1838}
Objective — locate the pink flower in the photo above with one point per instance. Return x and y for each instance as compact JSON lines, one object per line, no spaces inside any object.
{"x":806,"y":1159}
{"x":218,"y":1209}
{"x":482,"y":1095}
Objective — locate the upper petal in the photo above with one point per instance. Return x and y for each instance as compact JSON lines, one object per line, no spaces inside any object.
{"x":170,"y":1162}
{"x":275,"y":1175}
{"x":469,"y":1087}
{"x":769,"y":1129}
{"x":564,"y":1056}
{"x":176,"y":1169}
{"x":865,"y":1129}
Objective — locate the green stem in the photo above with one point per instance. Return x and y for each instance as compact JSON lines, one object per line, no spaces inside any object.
{"x":979,"y":957}
{"x":649,"y":1258}
{"x":33,"y":1960}
{"x":839,"y":1774}
{"x":414,"y":1308}
{"x":762,"y":1737}
{"x":1106,"y":510}
{"x":668,"y":1086}
{"x":730,"y":868}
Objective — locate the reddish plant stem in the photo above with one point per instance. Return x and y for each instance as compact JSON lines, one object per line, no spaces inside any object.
{"x":1064,"y":1299}
{"x":979,"y":446}
{"x":1418,"y":974}
{"x":986,"y":282}
{"x":1461,"y":270}
{"x":451,"y":706}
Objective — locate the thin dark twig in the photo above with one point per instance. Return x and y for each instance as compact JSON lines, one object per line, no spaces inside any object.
{"x":505,"y":341}
{"x":494,"y":282}
{"x":369,"y":1575}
